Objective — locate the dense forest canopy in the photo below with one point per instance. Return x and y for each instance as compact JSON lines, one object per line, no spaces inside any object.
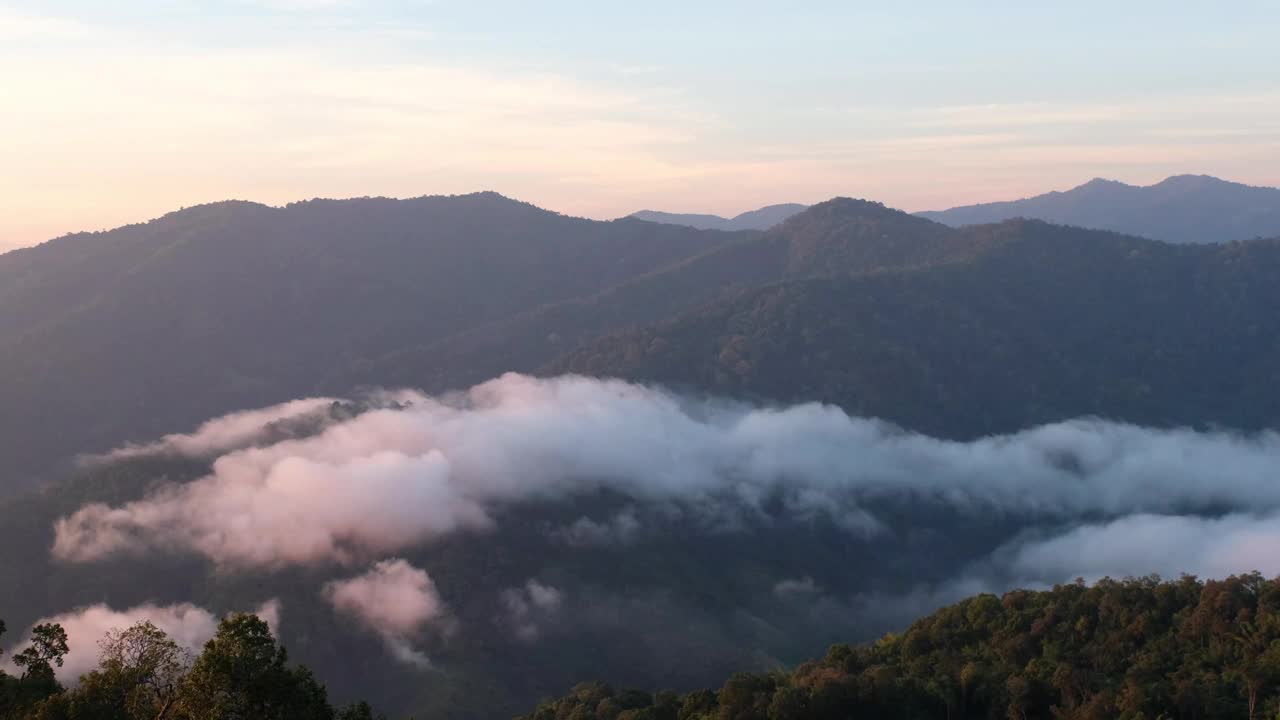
{"x":1127,"y":650}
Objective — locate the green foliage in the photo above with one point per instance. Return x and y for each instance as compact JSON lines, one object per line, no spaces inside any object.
{"x":48,"y":646}
{"x":21,"y":696}
{"x":242,"y":674}
{"x":1130,"y":650}
{"x":140,"y":675}
{"x":143,"y":674}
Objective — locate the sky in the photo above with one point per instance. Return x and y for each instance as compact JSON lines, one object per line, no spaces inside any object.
{"x":119,"y":112}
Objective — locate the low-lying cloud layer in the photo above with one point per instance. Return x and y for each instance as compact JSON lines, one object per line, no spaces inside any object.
{"x":389,"y":479}
{"x":228,"y":432}
{"x":1166,"y":545}
{"x":393,"y":599}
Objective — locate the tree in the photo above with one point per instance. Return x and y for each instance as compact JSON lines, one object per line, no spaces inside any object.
{"x":243,"y":675}
{"x":19,"y":697}
{"x":140,"y":673}
{"x":1257,"y":658}
{"x":48,"y":647}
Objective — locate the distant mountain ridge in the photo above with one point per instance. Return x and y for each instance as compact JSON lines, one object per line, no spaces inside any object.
{"x":761,"y":219}
{"x":1180,"y":209}
{"x":234,"y":304}
{"x":957,"y":337}
{"x":129,"y":334}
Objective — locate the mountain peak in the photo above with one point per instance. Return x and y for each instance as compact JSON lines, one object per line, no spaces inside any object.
{"x":1178,"y":209}
{"x":1192,"y":182}
{"x":1101,"y":182}
{"x":846,"y":209}
{"x":850,"y":206}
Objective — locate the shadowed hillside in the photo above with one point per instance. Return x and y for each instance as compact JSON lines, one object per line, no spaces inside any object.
{"x":128,"y":334}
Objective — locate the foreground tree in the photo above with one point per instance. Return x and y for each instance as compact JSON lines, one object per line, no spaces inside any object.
{"x":139,"y":675}
{"x":21,"y":696}
{"x":242,"y":674}
{"x":142,"y":674}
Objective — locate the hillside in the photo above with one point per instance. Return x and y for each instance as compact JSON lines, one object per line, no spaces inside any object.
{"x":1129,"y":649}
{"x":128,"y":334}
{"x":1181,"y":209}
{"x":1047,"y":323}
{"x":837,"y":238}
{"x":761,"y":219}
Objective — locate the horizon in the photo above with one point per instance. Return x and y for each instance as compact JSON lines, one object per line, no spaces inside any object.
{"x":729,"y":215}
{"x":126,"y":112}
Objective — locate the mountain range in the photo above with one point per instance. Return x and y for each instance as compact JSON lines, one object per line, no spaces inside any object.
{"x":1180,"y":209}
{"x":802,"y":435}
{"x":126,"y":335}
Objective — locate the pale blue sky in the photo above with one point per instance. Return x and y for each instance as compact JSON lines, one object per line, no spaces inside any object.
{"x":116,"y":112}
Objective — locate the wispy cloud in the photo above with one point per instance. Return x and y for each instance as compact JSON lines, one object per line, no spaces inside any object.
{"x":396,"y":601}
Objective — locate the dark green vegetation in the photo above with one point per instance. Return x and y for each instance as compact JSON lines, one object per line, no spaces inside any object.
{"x":1181,"y":209}
{"x":241,"y":674}
{"x":1116,"y":650}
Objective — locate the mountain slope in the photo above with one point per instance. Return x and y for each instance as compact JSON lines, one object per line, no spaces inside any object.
{"x":1127,"y":649}
{"x":131,"y":334}
{"x":761,"y":219}
{"x":1181,"y":209}
{"x":124,"y":335}
{"x":839,"y":237}
{"x":1047,"y":323}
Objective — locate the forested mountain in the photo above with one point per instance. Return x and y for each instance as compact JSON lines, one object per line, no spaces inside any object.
{"x":132,"y":333}
{"x":1181,"y":209}
{"x":1046,"y":323}
{"x":1133,"y":649}
{"x":761,"y":219}
{"x":958,"y":332}
{"x":552,"y":529}
{"x":838,"y":238}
